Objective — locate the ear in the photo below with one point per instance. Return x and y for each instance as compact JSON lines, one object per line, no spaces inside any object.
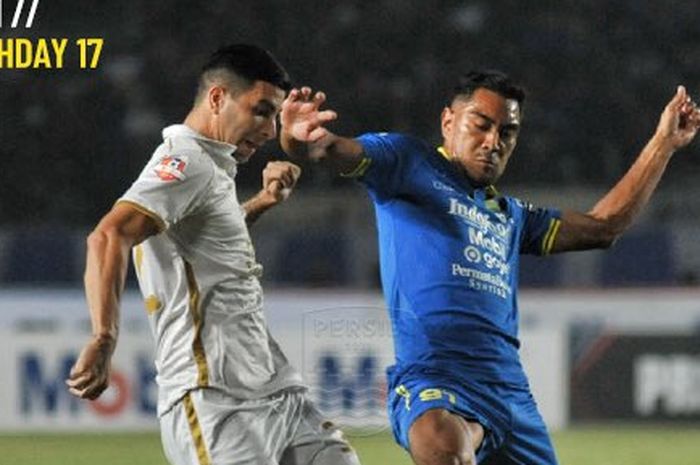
{"x":446,"y":122}
{"x":215,"y":98}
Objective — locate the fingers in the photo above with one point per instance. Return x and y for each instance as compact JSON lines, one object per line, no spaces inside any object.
{"x":279,"y":175}
{"x":326,"y":116}
{"x":316,"y":134}
{"x":681,"y":95}
{"x":318,"y":99}
{"x":688,"y":115}
{"x":680,"y":120}
{"x":306,"y":95}
{"x":694,"y":118}
{"x":86,"y":386}
{"x":89,"y":376}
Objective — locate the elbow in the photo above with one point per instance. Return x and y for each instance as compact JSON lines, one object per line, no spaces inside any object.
{"x":605,"y":243}
{"x":106,"y":237}
{"x":96,"y":240}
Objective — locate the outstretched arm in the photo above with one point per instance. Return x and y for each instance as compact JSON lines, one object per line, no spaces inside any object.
{"x":304,"y":134}
{"x":611,"y":216}
{"x":278,"y":180}
{"x":108,"y":248}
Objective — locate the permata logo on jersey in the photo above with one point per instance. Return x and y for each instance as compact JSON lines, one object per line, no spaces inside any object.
{"x":171,"y":168}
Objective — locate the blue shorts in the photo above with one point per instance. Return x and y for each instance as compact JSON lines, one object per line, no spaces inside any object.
{"x":514,"y":432}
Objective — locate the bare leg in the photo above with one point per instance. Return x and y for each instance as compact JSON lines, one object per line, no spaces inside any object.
{"x":439,"y":437}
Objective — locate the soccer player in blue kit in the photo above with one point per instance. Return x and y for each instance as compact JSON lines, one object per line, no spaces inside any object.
{"x":449,"y":246}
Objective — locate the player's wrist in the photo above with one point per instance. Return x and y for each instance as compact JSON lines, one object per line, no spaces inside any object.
{"x":663,"y":143}
{"x":266,"y":199}
{"x":293,"y":147}
{"x":105,"y":340}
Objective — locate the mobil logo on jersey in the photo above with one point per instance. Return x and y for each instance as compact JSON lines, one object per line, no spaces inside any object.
{"x":345,"y":351}
{"x":40,"y":398}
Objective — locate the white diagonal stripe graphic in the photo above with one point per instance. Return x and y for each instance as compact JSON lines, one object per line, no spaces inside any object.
{"x":32,"y":12}
{"x":18,"y":11}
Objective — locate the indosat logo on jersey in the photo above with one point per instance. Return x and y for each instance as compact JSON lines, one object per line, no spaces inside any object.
{"x":25,"y":53}
{"x":472,"y":215}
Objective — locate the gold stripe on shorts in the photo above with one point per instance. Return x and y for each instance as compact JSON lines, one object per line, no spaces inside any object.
{"x":196,"y":312}
{"x":196,"y":431}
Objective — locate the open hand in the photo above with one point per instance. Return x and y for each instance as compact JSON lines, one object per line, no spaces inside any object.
{"x":680,"y":120}
{"x":301,"y":117}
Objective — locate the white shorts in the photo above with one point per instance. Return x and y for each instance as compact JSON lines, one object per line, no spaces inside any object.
{"x":210,"y":428}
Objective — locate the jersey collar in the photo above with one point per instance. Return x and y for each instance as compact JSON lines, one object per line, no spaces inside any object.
{"x":489,"y":192}
{"x":221,"y":152}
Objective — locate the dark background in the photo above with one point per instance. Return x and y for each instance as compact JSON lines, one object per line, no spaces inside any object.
{"x":597,"y":73}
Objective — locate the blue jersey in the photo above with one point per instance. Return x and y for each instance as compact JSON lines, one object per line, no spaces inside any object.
{"x":449,"y":256}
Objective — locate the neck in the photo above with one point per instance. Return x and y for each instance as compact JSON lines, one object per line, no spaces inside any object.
{"x":198,"y":122}
{"x":447,"y":155}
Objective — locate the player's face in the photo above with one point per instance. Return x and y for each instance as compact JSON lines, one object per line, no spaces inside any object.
{"x":480,"y":133}
{"x":249,"y":119}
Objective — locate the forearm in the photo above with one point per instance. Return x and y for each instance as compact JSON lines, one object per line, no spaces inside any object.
{"x":611,"y":216}
{"x":622,"y":204}
{"x":105,"y":274}
{"x":257,"y":205}
{"x":294,"y":148}
{"x":343,"y":154}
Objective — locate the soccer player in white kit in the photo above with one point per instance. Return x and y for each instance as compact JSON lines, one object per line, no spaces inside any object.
{"x":226,"y":392}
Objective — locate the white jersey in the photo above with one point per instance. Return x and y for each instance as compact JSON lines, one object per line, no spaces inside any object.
{"x":199,"y":277}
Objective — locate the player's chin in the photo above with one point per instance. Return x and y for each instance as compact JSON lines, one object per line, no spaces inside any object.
{"x":485,"y":177}
{"x":243,"y":154}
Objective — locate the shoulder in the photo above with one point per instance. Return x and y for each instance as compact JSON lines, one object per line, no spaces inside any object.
{"x":395,"y":138}
{"x":180,"y":159}
{"x":393,"y":143}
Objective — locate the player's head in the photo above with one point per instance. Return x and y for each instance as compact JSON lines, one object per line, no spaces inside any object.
{"x":241,"y":89}
{"x":481,"y":122}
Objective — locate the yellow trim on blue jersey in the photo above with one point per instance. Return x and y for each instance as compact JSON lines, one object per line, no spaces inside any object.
{"x":359,"y":170}
{"x":548,"y":241}
{"x":196,"y":430}
{"x":141,"y":209}
{"x":444,"y":153}
{"x":200,"y":356}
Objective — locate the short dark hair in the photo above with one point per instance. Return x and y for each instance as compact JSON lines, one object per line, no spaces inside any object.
{"x":493,"y":80}
{"x":241,"y":65}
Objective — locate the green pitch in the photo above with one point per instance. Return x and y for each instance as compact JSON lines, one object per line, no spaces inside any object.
{"x":583,"y":446}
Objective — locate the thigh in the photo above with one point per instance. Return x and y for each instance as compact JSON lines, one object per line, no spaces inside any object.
{"x":528,"y":443}
{"x":441,"y":436}
{"x":211,"y":428}
{"x":317,"y":441}
{"x":417,"y":395}
{"x":181,"y":435}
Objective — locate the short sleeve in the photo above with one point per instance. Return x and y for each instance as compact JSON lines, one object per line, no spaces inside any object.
{"x":170,"y":186}
{"x":540,"y":228}
{"x":386,"y":156}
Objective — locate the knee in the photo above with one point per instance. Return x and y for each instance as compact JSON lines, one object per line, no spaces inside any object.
{"x":439,"y":437}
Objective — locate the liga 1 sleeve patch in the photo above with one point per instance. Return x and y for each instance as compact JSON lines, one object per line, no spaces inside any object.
{"x":171,"y":168}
